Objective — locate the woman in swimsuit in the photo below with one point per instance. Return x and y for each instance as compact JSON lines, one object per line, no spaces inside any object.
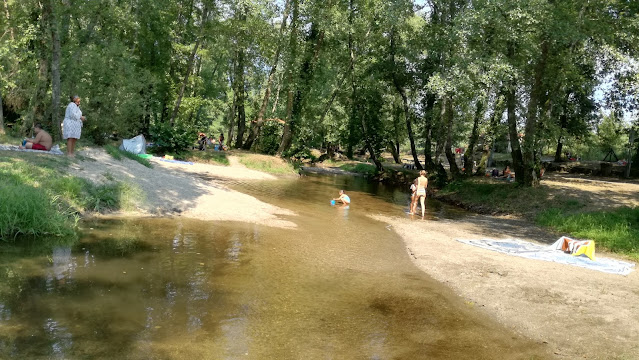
{"x":422,"y":184}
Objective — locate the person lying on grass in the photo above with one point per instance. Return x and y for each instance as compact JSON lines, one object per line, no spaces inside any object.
{"x":42,"y":141}
{"x":343,"y":198}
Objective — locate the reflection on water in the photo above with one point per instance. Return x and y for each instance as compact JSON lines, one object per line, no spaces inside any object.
{"x":339,"y":287}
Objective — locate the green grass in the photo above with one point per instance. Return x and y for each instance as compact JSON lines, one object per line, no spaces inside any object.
{"x":120,"y":154}
{"x":616,"y":230}
{"x":268,"y":164}
{"x":207,"y":157}
{"x":39,"y":198}
{"x":8,"y":139}
{"x":366,"y":169}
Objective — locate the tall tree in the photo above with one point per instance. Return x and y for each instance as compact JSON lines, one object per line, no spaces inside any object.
{"x":259,"y":120}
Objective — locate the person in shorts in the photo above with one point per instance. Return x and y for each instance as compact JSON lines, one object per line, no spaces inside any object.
{"x":42,"y":140}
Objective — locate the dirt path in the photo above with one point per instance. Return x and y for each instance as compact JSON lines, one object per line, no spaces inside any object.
{"x":579,"y":313}
{"x":596,"y":194}
{"x":194,"y":191}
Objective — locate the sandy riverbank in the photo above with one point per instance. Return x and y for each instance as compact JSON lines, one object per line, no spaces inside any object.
{"x":579,"y":313}
{"x":194,"y":191}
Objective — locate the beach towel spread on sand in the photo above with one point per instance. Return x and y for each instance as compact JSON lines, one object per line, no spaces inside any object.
{"x":530,"y":250}
{"x":55,"y":150}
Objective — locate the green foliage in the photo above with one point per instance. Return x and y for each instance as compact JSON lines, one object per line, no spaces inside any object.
{"x":366,"y":169}
{"x":270,"y":136}
{"x":28,"y":210}
{"x":174,"y":139}
{"x":617,"y":230}
{"x":611,"y":134}
{"x":119,"y":154}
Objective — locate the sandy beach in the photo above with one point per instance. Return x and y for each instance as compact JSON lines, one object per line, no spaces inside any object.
{"x":177,"y":189}
{"x":579,"y":313}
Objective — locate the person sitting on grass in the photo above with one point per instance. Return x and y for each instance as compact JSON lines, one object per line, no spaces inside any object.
{"x":507,"y":173}
{"x":343,"y":198}
{"x":42,"y":141}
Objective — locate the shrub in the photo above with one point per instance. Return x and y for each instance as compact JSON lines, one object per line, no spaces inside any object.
{"x":174,"y":139}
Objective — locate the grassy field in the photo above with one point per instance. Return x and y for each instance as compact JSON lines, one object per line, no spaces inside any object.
{"x":265,"y":163}
{"x":40,"y":198}
{"x":207,"y":157}
{"x":616,"y":230}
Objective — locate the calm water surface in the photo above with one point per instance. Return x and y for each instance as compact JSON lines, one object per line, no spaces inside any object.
{"x":340,"y":286}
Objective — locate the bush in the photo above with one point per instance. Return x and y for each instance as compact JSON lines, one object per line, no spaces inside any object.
{"x":269,"y":139}
{"x":174,"y":139}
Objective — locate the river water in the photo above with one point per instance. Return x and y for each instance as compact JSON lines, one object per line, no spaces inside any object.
{"x":339,"y":286}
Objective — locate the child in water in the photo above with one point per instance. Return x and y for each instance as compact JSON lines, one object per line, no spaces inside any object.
{"x":343,"y":198}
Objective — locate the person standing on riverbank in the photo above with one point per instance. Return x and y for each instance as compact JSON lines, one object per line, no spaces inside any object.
{"x":72,"y":125}
{"x":422,"y":184}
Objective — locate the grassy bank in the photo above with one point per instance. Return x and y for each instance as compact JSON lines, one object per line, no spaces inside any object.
{"x":39,"y":198}
{"x":360,"y":168}
{"x":265,"y":163}
{"x":615,"y":230}
{"x":207,"y":157}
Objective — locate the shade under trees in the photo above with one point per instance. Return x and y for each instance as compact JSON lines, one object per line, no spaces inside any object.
{"x":357,"y":76}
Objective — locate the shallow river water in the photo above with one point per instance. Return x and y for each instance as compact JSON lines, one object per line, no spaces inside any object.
{"x":339,"y":286}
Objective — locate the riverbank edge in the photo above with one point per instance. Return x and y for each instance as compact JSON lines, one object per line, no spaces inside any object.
{"x":576,"y":316}
{"x":97,"y":168}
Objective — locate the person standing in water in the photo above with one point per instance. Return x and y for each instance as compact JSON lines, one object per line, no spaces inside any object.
{"x":422,"y":184}
{"x":413,"y":197}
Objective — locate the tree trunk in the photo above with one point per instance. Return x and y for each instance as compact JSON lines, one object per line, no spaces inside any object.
{"x":402,"y":92}
{"x":189,"y":67}
{"x":307,"y":71}
{"x":489,"y":142}
{"x":355,"y":104}
{"x":474,"y":135}
{"x":530,"y":161}
{"x":448,"y":118}
{"x":1,"y":113}
{"x":55,"y":73}
{"x":292,"y":44}
{"x":259,"y":120}
{"x":513,"y":134}
{"x":393,"y":150}
{"x":231,"y":133}
{"x":240,"y":98}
